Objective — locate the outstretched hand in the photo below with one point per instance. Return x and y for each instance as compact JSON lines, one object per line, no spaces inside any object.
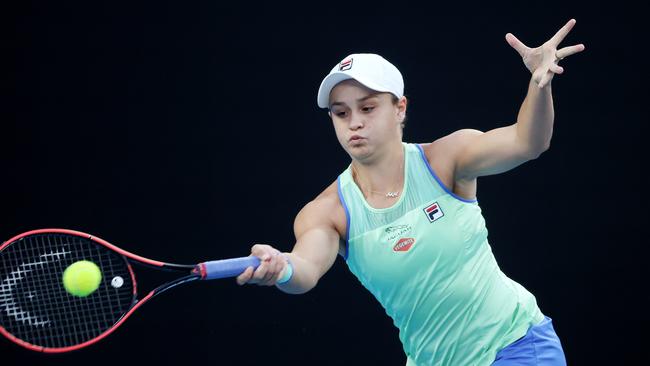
{"x":542,"y":61}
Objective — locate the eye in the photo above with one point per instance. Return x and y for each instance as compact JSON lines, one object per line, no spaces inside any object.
{"x":368,"y":109}
{"x":340,"y":114}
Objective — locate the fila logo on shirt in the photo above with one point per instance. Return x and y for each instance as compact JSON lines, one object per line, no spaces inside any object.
{"x":345,"y":64}
{"x":434,"y":212}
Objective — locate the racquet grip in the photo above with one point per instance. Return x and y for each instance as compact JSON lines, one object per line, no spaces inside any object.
{"x":227,"y":267}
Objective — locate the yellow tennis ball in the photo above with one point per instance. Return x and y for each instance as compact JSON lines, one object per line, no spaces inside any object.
{"x":82,"y":278}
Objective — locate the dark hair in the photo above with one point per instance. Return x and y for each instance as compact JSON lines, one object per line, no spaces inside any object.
{"x":395,"y":101}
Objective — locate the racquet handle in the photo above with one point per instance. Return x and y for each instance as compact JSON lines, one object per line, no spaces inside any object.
{"x":227,"y":267}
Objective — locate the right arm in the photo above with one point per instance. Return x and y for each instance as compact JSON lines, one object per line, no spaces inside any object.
{"x":317,"y":243}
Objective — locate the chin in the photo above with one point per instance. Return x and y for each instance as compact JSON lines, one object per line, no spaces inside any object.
{"x":359,"y":153}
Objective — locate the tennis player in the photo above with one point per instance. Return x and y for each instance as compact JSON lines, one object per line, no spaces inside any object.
{"x":406,"y":220}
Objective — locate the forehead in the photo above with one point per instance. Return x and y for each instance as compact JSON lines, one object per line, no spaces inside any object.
{"x":349,"y":91}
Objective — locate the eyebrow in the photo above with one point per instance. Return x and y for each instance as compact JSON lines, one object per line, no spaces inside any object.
{"x":358,"y":100}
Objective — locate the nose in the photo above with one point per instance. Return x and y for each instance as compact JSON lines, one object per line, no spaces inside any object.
{"x":356,"y":122}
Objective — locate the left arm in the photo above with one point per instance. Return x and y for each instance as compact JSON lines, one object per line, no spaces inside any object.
{"x":502,"y":149}
{"x":535,"y":120}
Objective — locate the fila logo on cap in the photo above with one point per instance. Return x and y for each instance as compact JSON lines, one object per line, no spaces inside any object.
{"x":371,"y":71}
{"x":346,"y":64}
{"x":434,"y":212}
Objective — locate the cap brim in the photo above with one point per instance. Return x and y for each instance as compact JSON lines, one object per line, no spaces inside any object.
{"x":327,"y":85}
{"x":333,"y":79}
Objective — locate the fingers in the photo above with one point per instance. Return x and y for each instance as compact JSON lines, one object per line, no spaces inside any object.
{"x":268,"y":272}
{"x":546,"y":78}
{"x":542,"y":61}
{"x":543,"y":76}
{"x":559,"y":36}
{"x":245,"y":276}
{"x":556,"y":69}
{"x":568,"y":51}
{"x":516,"y":44}
{"x":537,"y":77}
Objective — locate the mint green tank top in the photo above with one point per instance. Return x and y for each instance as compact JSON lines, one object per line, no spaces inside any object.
{"x":428,"y":262}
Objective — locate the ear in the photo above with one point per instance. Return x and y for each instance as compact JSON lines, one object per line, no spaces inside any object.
{"x":401,"y":107}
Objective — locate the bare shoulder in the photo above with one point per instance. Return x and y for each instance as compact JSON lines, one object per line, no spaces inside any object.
{"x":325,"y":210}
{"x":444,"y":151}
{"x":442,"y":155}
{"x":451,"y":144}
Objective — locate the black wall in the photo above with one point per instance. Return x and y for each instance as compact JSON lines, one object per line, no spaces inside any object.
{"x":189,"y":131}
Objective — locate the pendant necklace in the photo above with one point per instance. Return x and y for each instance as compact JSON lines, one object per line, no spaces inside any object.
{"x":393,"y":194}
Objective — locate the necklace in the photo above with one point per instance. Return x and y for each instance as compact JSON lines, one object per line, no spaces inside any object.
{"x":390,"y":194}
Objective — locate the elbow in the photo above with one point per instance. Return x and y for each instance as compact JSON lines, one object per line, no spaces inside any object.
{"x":535,"y":153}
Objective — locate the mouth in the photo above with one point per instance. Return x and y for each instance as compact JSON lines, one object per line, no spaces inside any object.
{"x":355,"y":138}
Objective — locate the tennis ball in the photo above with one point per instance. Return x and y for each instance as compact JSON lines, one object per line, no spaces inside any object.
{"x":82,"y":278}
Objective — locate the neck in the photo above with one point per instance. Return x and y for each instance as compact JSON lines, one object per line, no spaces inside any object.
{"x":384,"y":174}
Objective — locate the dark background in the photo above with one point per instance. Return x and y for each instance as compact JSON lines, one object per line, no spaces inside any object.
{"x":189,"y":131}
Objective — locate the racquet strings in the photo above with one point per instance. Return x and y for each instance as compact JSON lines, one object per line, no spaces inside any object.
{"x":35,"y":307}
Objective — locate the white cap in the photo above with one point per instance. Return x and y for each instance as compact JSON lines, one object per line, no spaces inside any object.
{"x":369,"y":69}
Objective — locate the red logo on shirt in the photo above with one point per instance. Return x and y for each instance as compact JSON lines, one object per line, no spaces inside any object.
{"x":403,"y":245}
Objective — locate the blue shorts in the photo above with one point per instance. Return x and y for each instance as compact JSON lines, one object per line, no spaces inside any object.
{"x":540,"y":347}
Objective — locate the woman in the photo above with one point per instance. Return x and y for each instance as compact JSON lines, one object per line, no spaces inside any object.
{"x":405,"y":218}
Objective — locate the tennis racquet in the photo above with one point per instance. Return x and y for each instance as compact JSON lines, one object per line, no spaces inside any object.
{"x":37,"y":312}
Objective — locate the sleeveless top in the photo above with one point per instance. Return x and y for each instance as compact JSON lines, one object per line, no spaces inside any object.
{"x":427,"y":260}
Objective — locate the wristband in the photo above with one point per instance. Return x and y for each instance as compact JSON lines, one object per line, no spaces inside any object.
{"x":288,"y":272}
